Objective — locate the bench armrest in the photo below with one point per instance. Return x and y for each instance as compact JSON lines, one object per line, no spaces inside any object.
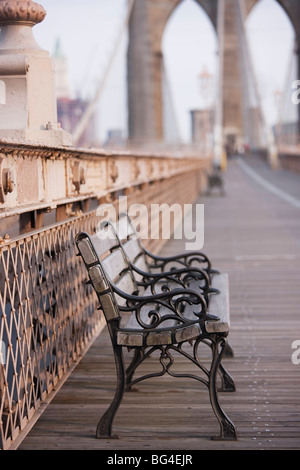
{"x":180,"y":276}
{"x":163,"y":306}
{"x":183,"y":258}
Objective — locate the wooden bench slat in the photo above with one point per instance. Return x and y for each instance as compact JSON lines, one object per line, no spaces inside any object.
{"x":132,"y":249}
{"x":87,"y":251}
{"x":140,"y":264}
{"x":126,"y":284}
{"x":114,"y":264}
{"x":219,"y":303}
{"x":218,"y":306}
{"x":104,"y":240}
{"x":123,"y":228}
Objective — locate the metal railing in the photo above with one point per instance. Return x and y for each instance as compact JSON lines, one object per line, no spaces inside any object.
{"x":47,"y":319}
{"x":49,"y":316}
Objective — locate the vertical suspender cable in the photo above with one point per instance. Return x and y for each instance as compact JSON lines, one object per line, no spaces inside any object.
{"x":89,"y":111}
{"x":218,"y":131}
{"x":270,"y":138}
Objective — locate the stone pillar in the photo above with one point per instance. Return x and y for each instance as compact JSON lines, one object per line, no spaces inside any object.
{"x":292,"y":9}
{"x":298,"y":78}
{"x":143,"y":78}
{"x":144,"y":64}
{"x":233,"y":124}
{"x":27,"y":100}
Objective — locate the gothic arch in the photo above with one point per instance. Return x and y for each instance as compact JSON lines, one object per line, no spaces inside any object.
{"x":144,"y":65}
{"x":292,"y":9}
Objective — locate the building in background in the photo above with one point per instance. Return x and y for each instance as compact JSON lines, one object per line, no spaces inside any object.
{"x":202,"y":128}
{"x":115,"y":139}
{"x":203,"y":120}
{"x":70,"y":109}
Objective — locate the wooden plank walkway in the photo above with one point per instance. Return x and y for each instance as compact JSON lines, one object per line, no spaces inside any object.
{"x":253,"y":233}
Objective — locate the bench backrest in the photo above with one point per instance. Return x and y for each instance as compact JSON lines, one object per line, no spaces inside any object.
{"x":131,"y":243}
{"x":118,"y":290}
{"x":140,"y":257}
{"x":105,"y":262}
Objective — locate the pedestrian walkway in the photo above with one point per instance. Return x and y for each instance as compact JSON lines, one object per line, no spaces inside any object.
{"x":253,"y":233}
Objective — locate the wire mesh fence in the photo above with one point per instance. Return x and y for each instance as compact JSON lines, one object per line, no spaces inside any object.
{"x":47,"y":319}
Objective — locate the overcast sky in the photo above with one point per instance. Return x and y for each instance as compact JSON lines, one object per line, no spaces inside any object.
{"x":88,"y":31}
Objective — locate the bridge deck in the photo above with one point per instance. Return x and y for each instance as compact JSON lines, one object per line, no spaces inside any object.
{"x":253,"y":233}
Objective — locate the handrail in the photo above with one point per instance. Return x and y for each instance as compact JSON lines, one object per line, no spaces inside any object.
{"x":46,"y":319}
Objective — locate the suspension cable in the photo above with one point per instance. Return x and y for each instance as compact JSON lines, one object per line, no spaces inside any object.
{"x":89,"y":111}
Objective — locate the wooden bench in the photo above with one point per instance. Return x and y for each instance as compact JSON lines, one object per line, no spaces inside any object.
{"x":192,"y":269}
{"x":145,"y":322}
{"x":215,"y":180}
{"x":147,"y":261}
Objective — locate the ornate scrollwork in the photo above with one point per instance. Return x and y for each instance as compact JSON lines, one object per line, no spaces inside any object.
{"x":168,"y":306}
{"x":180,"y":278}
{"x":185,"y":259}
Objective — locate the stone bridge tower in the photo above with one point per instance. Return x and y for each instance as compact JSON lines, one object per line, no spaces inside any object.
{"x":144,"y":69}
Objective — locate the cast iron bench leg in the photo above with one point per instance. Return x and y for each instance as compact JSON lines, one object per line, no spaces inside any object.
{"x":104,"y":428}
{"x":227,"y":381}
{"x":131,"y":368}
{"x":227,"y":429}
